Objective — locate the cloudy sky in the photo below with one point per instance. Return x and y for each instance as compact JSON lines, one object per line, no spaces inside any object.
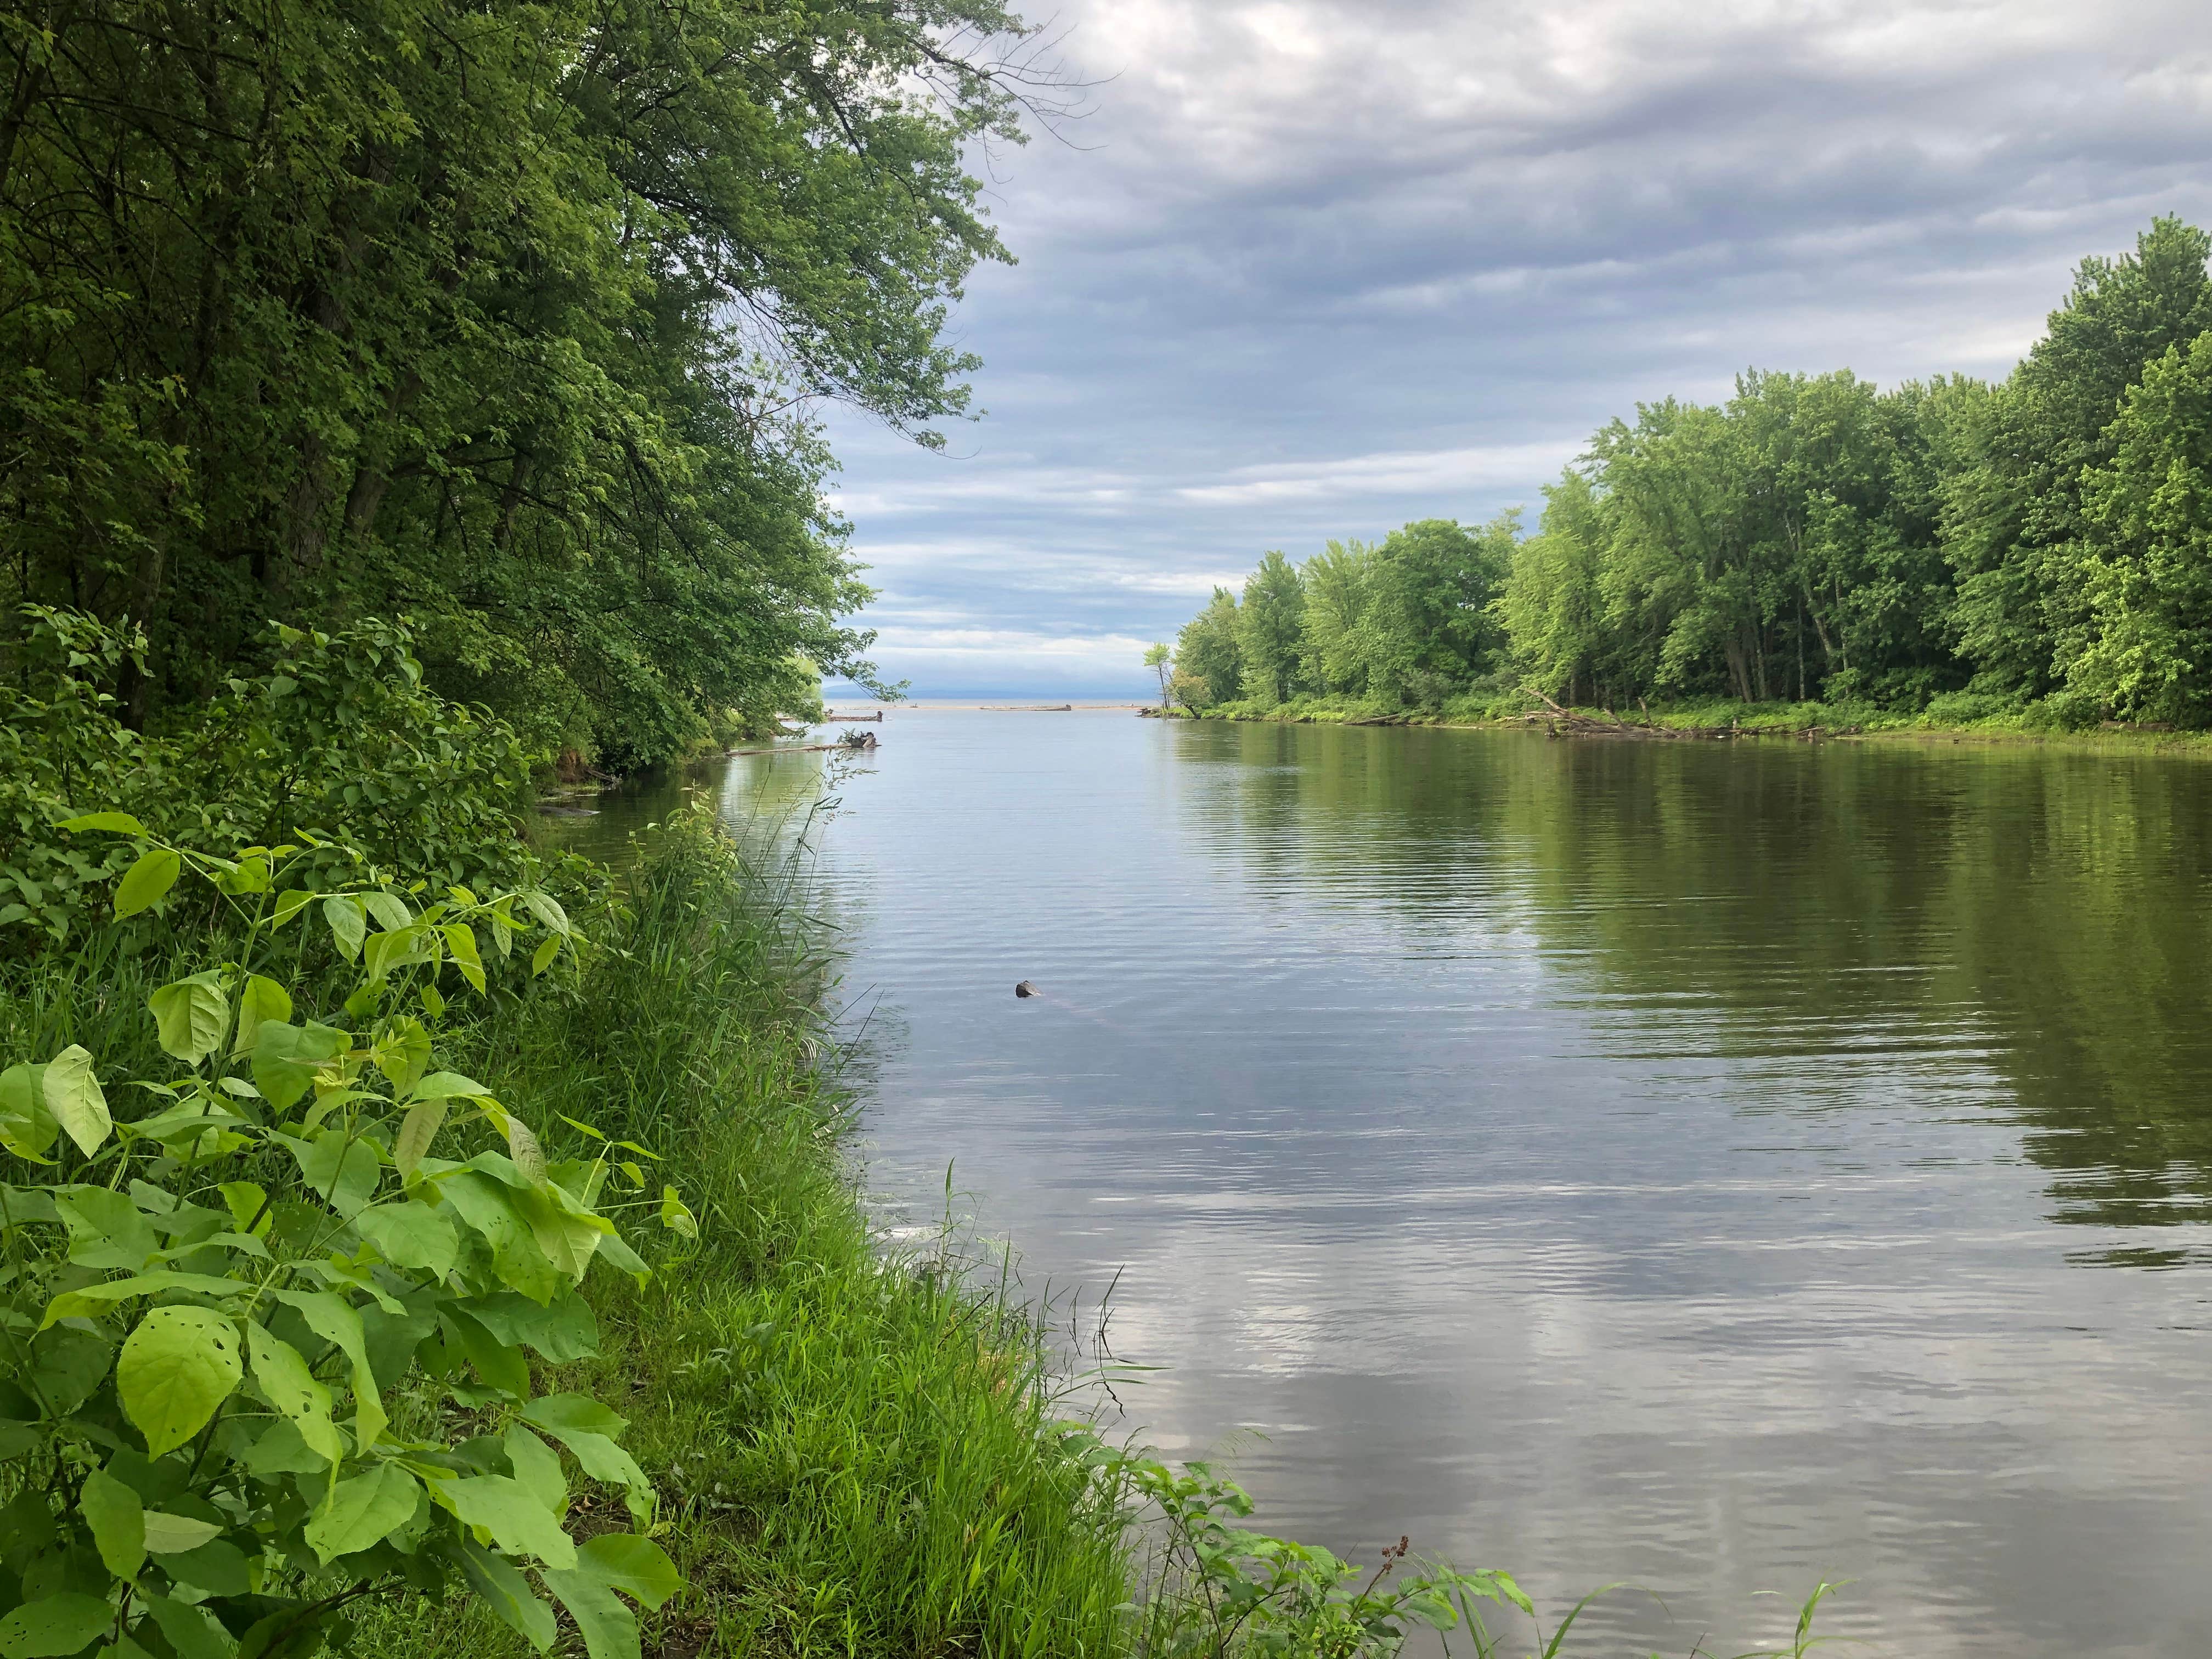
{"x":1318,"y":267}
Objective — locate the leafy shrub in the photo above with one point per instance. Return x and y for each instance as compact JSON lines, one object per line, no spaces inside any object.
{"x":339,"y":749}
{"x":262,"y":1352}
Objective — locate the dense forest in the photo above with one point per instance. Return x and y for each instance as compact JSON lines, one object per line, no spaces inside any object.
{"x":2041,"y":543}
{"x":506,"y":319}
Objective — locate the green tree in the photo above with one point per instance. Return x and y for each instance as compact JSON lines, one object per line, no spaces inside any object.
{"x":1161,"y":660}
{"x":315,"y":311}
{"x":1208,"y":653}
{"x":2147,"y":570}
{"x":1270,"y":629}
{"x":1336,"y":582}
{"x":2013,"y":518}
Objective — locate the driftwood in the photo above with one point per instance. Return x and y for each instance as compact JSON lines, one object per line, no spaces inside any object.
{"x":850,"y":740}
{"x":1561,"y":721}
{"x":853,"y":720}
{"x":1029,"y":708}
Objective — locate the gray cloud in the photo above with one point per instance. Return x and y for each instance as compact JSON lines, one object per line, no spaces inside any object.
{"x":1315,"y":269}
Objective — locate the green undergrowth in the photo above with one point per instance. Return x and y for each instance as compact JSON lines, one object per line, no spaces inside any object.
{"x":1960,"y":716}
{"x":856,"y":1450}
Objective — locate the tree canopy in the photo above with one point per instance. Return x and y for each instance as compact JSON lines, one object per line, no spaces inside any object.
{"x":2046,"y":538}
{"x":512,"y":318}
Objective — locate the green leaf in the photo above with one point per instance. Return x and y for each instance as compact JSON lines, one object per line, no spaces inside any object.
{"x":348,"y":922}
{"x":511,"y":1513}
{"x":96,"y":1299}
{"x":675,"y":1216}
{"x":461,"y":943}
{"x":287,"y":1057}
{"x":508,"y":1594}
{"x":283,"y":1449}
{"x":589,"y":1431}
{"x":73,"y":1096}
{"x":55,"y":1626}
{"x":343,"y":1170}
{"x":335,"y":1320}
{"x":561,"y":1330}
{"x":118,"y":824}
{"x":260,"y":999}
{"x":390,"y":910}
{"x":191,"y":1016}
{"x":192,"y":1631}
{"x":500,"y":1365}
{"x":282,"y":1374}
{"x":118,"y":1521}
{"x":608,"y":1628}
{"x":289,"y":903}
{"x":447,"y":1085}
{"x":173,"y":1535}
{"x":411,"y":1235}
{"x":360,"y":1511}
{"x":176,"y":1370}
{"x":537,"y":1467}
{"x":217,"y":1568}
{"x":417,"y":1131}
{"x":636,"y":1566}
{"x":547,"y":910}
{"x":145,"y":882}
{"x":26,"y":1127}
{"x":402,"y":1051}
{"x":521,"y":1145}
{"x":489,"y":1207}
{"x":542,"y":958}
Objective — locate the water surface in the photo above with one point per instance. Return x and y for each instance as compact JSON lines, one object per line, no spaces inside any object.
{"x":1718,"y":1167}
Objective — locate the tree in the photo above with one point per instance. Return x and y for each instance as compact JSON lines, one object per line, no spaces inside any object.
{"x":1160,"y":660}
{"x":2013,"y":518}
{"x":1336,"y":583}
{"x":314,"y":310}
{"x":2147,"y":568}
{"x":1207,"y":651}
{"x":1270,"y":625}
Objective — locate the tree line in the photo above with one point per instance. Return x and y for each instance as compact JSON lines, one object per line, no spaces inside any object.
{"x":2045,"y":540}
{"x":510,"y":319}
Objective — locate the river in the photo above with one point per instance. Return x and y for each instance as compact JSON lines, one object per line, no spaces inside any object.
{"x":1716,"y":1167}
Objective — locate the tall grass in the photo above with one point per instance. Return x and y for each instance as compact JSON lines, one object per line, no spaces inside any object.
{"x":856,"y":1449}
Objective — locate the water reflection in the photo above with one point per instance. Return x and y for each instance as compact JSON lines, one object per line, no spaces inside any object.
{"x":1612,"y":1161}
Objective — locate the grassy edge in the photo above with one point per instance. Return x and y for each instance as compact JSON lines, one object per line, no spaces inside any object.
{"x":1857,"y":723}
{"x":855,"y":1448}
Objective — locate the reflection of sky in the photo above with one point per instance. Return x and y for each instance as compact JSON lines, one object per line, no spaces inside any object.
{"x":1313,"y":268}
{"x":1548,"y":1255}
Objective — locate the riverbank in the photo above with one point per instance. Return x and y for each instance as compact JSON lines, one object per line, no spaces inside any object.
{"x":1947,"y":720}
{"x":855,"y":1452}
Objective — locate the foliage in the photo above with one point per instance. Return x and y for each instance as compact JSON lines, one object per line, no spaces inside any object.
{"x":514,"y":319}
{"x":1815,"y":539}
{"x":339,"y":747}
{"x":265,"y":1353}
{"x":1208,"y":652}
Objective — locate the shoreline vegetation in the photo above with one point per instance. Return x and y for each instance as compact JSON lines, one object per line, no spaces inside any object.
{"x":1715,"y":719}
{"x":1980,"y":559}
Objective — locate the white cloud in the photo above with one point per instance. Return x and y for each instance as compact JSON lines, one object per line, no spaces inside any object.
{"x":1318,"y":267}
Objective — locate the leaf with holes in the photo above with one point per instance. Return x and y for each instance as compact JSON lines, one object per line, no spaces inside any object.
{"x":175,"y":1372}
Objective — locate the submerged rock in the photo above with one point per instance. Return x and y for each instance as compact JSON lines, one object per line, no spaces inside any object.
{"x":1026,"y":989}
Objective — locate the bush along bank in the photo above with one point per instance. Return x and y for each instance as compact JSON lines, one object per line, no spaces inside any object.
{"x":398,"y":1264}
{"x":1957,"y":717}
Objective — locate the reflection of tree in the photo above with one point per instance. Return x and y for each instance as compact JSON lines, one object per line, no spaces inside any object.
{"x":2037,"y":915}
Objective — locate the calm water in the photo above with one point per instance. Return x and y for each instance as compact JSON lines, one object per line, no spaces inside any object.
{"x":1715,"y":1167}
